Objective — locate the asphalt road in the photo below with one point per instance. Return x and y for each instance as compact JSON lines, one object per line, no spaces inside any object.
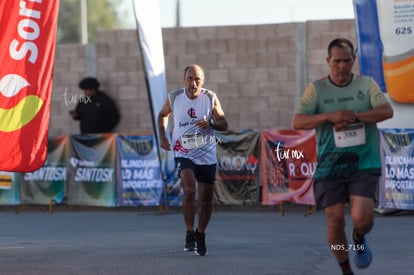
{"x":147,"y":242}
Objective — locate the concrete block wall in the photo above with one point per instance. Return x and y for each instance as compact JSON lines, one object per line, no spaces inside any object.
{"x":320,"y":33}
{"x":68,"y":70}
{"x":254,"y":70}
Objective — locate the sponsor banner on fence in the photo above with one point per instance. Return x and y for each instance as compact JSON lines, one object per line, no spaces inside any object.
{"x":396,"y":188}
{"x":237,"y":177}
{"x":288,"y":162}
{"x":173,"y":193}
{"x":385,"y":31}
{"x":27,"y":46}
{"x":138,"y":171}
{"x":9,"y":188}
{"x":91,"y":170}
{"x":48,"y":182}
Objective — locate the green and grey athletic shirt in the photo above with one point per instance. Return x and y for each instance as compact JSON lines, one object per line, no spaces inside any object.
{"x":337,"y":157}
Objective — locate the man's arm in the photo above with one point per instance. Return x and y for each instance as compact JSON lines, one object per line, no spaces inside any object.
{"x":377,"y":114}
{"x":381,"y":108}
{"x":162,"y":125}
{"x":219,"y":121}
{"x":114,"y":115}
{"x":307,"y":122}
{"x":75,"y":113}
{"x":340,"y":118}
{"x":306,"y":118}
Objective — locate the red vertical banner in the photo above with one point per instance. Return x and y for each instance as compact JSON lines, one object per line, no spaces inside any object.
{"x":27,"y":46}
{"x":288,"y":164}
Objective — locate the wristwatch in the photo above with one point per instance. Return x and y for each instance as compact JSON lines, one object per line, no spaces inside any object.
{"x":211,"y":122}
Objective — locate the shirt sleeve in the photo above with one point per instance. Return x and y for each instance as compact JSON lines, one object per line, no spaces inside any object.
{"x":308,"y":102}
{"x":377,"y":97}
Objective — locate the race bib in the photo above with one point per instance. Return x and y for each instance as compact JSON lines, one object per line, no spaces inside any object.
{"x":351,"y":135}
{"x":191,"y":141}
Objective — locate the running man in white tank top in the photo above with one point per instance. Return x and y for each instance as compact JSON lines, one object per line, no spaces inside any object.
{"x":197,"y":114}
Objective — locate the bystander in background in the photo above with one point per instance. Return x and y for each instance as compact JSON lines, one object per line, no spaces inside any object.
{"x":96,"y":111}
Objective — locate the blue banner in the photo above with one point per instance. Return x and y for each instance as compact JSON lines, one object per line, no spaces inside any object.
{"x":396,"y":188}
{"x":138,"y":171}
{"x":385,"y":31}
{"x":369,"y":42}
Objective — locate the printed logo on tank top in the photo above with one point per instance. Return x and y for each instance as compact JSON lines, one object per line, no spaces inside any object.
{"x":192,"y":113}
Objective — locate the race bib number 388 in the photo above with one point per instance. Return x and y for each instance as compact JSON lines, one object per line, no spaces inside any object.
{"x":351,"y":135}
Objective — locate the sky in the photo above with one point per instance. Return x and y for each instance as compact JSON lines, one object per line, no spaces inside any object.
{"x":196,"y":13}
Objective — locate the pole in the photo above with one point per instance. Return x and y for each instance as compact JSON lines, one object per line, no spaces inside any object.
{"x":84,"y":21}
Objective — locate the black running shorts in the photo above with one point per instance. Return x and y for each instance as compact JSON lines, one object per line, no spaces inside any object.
{"x":330,"y":192}
{"x":203,"y":173}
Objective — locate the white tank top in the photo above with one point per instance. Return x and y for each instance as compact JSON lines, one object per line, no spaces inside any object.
{"x":188,"y":140}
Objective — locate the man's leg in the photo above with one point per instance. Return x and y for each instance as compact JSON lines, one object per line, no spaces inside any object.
{"x":188,"y":182}
{"x":335,"y":221}
{"x":362,"y":214}
{"x":205,"y":201}
{"x":205,"y":208}
{"x":189,"y":187}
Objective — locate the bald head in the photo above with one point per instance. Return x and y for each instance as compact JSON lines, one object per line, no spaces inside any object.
{"x":193,"y":67}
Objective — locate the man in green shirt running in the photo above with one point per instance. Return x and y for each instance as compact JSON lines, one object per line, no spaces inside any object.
{"x":344,"y":108}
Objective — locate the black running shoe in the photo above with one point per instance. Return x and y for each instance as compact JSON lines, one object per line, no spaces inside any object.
{"x":189,"y":241}
{"x":201,"y":249}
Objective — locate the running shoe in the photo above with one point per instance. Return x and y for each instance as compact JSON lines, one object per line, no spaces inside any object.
{"x":363,"y":257}
{"x":201,"y":249}
{"x":189,"y":241}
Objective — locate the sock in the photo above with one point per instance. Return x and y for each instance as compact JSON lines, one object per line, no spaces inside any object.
{"x":358,"y":238}
{"x":346,"y":267}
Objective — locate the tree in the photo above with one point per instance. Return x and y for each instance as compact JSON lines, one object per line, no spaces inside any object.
{"x":101,"y":14}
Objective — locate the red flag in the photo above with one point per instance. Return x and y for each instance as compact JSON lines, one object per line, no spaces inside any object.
{"x":27,"y":45}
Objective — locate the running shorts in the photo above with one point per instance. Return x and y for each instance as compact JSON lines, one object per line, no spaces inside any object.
{"x":330,"y":192}
{"x":203,"y":173}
